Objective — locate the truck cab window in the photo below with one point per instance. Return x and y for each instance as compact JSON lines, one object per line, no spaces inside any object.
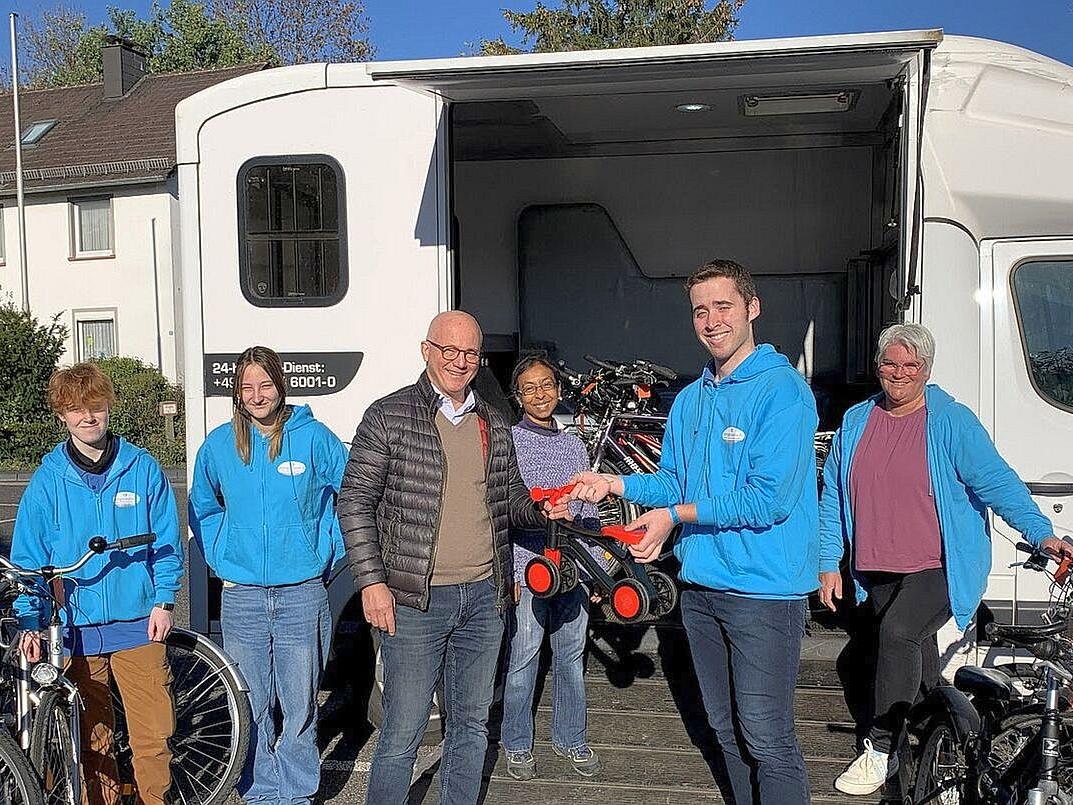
{"x":292,"y":243}
{"x":1043,"y":294}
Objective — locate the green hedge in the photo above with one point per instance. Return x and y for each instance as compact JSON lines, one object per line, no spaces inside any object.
{"x":136,"y":416}
{"x":29,"y":352}
{"x":28,"y":355}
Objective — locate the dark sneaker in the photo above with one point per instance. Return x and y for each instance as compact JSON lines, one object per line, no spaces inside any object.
{"x":584,"y":760}
{"x":521,"y":765}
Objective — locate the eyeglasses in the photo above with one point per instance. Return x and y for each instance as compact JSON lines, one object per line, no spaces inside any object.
{"x":528,"y":392}
{"x":890,"y":368}
{"x":473,"y":356}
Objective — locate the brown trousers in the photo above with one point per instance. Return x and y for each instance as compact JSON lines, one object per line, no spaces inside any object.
{"x":144,"y":680}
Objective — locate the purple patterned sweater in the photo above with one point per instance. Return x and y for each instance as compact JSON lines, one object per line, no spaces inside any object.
{"x":548,"y":458}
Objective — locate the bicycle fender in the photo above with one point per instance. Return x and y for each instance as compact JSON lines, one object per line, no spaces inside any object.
{"x":955,"y":704}
{"x":228,"y":664}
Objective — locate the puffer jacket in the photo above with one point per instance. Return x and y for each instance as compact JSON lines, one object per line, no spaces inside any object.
{"x":389,"y":503}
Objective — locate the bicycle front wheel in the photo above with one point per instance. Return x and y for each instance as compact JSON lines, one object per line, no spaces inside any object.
{"x":18,"y":780}
{"x":52,"y":750}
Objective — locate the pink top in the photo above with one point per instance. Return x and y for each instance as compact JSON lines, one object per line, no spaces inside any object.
{"x":895,"y":523}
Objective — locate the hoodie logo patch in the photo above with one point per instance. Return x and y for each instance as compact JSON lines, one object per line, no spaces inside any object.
{"x":291,"y":468}
{"x":732,"y":435}
{"x":125,"y":500}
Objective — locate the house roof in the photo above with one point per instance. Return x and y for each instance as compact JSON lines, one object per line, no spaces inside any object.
{"x":98,"y":141}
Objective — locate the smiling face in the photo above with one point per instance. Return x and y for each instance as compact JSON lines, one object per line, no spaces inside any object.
{"x":538,"y":392}
{"x":259,"y":395}
{"x":902,"y":375}
{"x":722,"y":320}
{"x":458,"y":330}
{"x":87,"y":426}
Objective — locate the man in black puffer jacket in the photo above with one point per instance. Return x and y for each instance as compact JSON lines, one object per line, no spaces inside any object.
{"x":430,"y":490}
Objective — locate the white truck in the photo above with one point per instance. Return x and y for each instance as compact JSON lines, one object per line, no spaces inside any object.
{"x":330,"y":210}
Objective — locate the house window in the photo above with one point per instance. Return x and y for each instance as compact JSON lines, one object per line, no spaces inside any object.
{"x":32,"y":135}
{"x":95,"y":338}
{"x":292,"y":233}
{"x":1043,"y":294}
{"x":92,"y":233}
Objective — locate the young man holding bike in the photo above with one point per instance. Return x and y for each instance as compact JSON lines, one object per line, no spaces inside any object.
{"x":737,"y":471}
{"x":118,"y":607}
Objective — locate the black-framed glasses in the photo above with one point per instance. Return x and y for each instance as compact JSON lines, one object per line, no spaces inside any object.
{"x":529,"y":391}
{"x":473,"y":356}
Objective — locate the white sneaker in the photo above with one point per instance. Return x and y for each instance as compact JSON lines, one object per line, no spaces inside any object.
{"x":868,"y":772}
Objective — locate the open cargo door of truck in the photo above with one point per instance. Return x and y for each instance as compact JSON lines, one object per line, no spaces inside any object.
{"x":813,"y":70}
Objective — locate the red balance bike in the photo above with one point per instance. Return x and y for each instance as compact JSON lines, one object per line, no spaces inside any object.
{"x":635,"y":594}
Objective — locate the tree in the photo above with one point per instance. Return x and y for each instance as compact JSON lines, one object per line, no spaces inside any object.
{"x":302,"y":31}
{"x":59,"y":49}
{"x":598,"y":24}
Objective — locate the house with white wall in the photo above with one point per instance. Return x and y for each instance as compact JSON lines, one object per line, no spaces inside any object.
{"x":101,"y":206}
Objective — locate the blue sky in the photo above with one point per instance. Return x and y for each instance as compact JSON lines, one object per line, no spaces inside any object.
{"x":403,"y":29}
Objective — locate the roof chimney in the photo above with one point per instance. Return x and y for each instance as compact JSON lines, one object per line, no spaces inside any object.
{"x":124,"y":66}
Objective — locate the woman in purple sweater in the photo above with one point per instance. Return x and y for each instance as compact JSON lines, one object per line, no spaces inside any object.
{"x":547,"y":457}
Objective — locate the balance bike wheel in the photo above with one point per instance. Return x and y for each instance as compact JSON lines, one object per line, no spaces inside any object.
{"x":666,"y":593}
{"x":542,"y":577}
{"x":630,"y":601}
{"x":568,"y":574}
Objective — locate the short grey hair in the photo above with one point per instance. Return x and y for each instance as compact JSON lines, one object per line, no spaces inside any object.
{"x":915,"y":337}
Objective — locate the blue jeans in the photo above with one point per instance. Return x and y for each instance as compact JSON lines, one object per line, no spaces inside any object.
{"x":279,"y":637}
{"x":458,"y":638}
{"x":746,"y":652}
{"x":566,"y":618}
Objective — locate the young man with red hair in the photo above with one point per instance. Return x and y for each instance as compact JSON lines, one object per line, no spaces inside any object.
{"x":118,"y":607}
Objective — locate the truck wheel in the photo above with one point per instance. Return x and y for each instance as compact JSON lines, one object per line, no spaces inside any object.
{"x":433,"y":733}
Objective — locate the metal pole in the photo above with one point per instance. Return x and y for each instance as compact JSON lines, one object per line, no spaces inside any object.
{"x":20,"y":201}
{"x":156,"y":296}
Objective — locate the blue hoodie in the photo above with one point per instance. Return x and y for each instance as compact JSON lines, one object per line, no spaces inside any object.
{"x":742,"y":450}
{"x":59,"y":513}
{"x":967,"y":476}
{"x":269,"y":523}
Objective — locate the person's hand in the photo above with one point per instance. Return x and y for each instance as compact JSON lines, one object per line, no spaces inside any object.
{"x":378,"y":604}
{"x":558,"y":511}
{"x":657,"y":525}
{"x":160,"y":623}
{"x":1058,"y":548}
{"x":591,"y":487}
{"x":830,"y":588}
{"x":30,"y":645}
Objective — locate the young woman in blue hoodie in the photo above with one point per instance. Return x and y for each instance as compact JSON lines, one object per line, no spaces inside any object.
{"x":262,"y":509}
{"x":117,"y":608}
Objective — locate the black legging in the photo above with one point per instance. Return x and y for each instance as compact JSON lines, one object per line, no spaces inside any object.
{"x":910,"y":609}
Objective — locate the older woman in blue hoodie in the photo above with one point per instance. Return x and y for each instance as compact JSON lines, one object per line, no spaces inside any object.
{"x":262,"y":508}
{"x":907,"y":486}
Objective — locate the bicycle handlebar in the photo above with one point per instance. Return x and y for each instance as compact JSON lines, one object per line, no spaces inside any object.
{"x":97,"y":545}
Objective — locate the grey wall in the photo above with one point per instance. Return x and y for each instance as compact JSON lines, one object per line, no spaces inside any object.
{"x":780,"y":213}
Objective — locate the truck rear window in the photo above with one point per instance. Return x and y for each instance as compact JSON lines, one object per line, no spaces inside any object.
{"x":292,"y":243}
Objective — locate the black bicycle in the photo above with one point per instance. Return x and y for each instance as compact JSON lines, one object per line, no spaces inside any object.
{"x":989,"y":743}
{"x":42,"y":706}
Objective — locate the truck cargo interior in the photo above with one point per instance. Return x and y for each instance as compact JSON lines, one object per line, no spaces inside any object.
{"x":581,"y":206}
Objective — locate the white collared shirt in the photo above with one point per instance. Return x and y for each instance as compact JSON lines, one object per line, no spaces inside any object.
{"x":447,"y":406}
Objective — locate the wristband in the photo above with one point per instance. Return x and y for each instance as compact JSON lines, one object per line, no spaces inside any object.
{"x":675,"y":519}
